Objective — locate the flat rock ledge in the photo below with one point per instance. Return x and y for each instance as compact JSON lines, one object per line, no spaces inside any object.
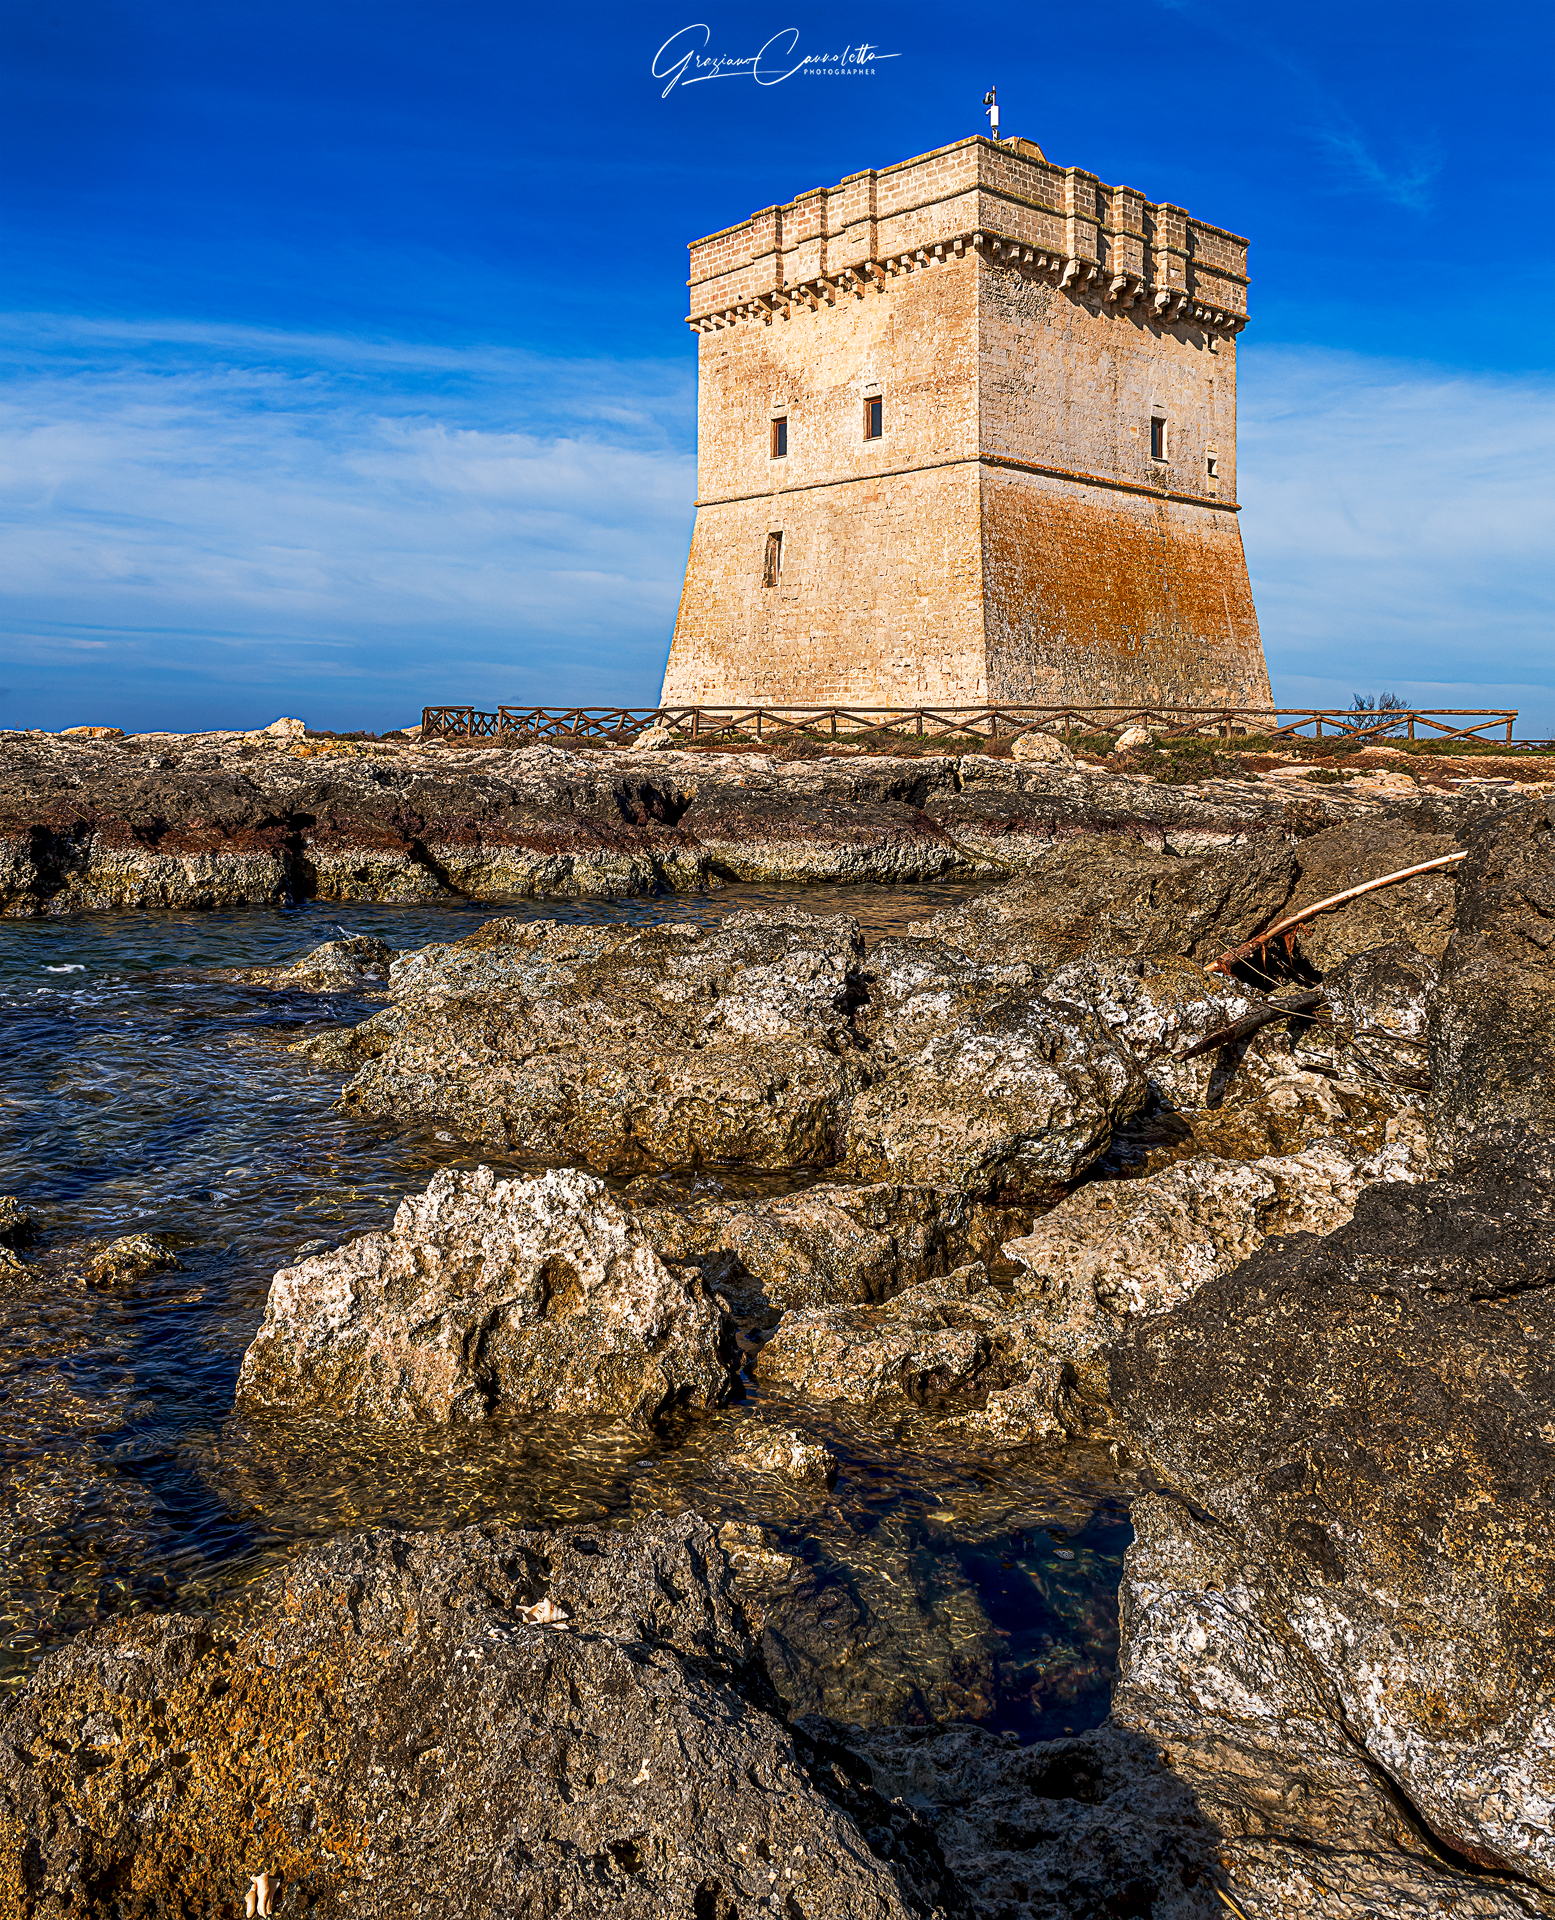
{"x":222,"y":820}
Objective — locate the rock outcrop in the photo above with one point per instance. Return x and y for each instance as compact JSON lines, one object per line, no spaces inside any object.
{"x":1492,"y":1015}
{"x":1063,"y":1198}
{"x":528,"y":1296}
{"x":454,"y":1726}
{"x":664,"y":1047}
{"x":826,"y":1246}
{"x":1336,"y":1613}
{"x":1030,"y":1361}
{"x":1118,"y":1251}
{"x":1419,"y":911}
{"x":352,"y":964}
{"x":944,"y":1338}
{"x":1116,"y":896}
{"x":220,"y":820}
{"x":980,"y":1082}
{"x":763,"y":1044}
{"x":1097,"y":1825}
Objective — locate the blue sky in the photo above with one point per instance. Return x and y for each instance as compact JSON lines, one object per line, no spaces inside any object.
{"x":343,"y":366}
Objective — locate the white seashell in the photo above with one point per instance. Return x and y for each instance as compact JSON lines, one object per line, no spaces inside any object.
{"x":258,"y":1900}
{"x":545,"y":1613}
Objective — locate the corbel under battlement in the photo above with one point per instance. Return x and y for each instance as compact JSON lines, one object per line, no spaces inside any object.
{"x":1083,"y":279}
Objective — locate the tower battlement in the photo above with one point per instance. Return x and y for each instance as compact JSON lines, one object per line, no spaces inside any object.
{"x":966,"y":431}
{"x":1008,"y":200}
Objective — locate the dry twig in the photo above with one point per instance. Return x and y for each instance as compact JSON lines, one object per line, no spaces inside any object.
{"x":1232,"y":955}
{"x":1271,"y":1010}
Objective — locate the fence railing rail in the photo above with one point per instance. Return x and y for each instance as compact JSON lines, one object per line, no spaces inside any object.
{"x":532,"y":724}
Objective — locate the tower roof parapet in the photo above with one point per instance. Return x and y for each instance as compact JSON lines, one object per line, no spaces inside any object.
{"x":1002,"y":200}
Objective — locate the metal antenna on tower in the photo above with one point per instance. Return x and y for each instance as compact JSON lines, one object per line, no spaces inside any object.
{"x":991,"y":102}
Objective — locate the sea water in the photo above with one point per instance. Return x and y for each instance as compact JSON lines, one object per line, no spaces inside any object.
{"x":146,"y":1093}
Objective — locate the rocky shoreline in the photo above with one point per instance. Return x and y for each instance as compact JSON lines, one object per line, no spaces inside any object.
{"x":1044,"y":1187}
{"x":223,"y":820}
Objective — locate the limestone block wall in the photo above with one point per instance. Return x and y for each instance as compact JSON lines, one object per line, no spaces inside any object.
{"x":880,"y":598}
{"x":1067,"y":383}
{"x":880,"y":580}
{"x":1017,"y":531}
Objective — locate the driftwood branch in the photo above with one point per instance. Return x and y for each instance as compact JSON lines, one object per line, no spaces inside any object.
{"x":1257,"y":944}
{"x":1270,"y":1011}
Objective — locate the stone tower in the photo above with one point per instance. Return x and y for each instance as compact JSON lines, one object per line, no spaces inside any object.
{"x":967,"y":432}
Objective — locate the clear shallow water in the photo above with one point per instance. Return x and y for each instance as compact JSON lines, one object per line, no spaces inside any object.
{"x":143,"y":1095}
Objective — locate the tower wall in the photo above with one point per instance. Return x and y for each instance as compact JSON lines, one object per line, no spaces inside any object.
{"x":1012,"y":535}
{"x":1113,"y":598}
{"x":1109,"y":576}
{"x":880,"y":593}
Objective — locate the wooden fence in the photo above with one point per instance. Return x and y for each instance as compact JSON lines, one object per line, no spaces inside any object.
{"x":527,"y":725}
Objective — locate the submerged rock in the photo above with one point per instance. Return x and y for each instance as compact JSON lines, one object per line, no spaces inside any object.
{"x":126,"y":1259}
{"x":404,"y":1733}
{"x":1339,"y":1620}
{"x":346,"y":965}
{"x":537,"y":1296}
{"x":16,"y":1221}
{"x":764,"y":1448}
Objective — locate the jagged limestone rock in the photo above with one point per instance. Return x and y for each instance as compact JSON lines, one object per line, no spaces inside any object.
{"x":1040,"y":749}
{"x":1419,"y":910}
{"x":1117,"y":1251}
{"x":1098,"y":1824}
{"x":125,"y":1260}
{"x":1491,"y":1013}
{"x":938,"y":1340}
{"x":346,"y":965}
{"x":826,"y":1246}
{"x":1339,"y":1621}
{"x":537,"y":1296}
{"x":980,"y":1082}
{"x":1107,"y":895}
{"x":765,"y":1448}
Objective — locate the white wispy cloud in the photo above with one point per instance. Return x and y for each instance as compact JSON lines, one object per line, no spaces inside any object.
{"x":1408,"y":180}
{"x":233,"y":521}
{"x":206,"y":525}
{"x":1399,"y":521}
